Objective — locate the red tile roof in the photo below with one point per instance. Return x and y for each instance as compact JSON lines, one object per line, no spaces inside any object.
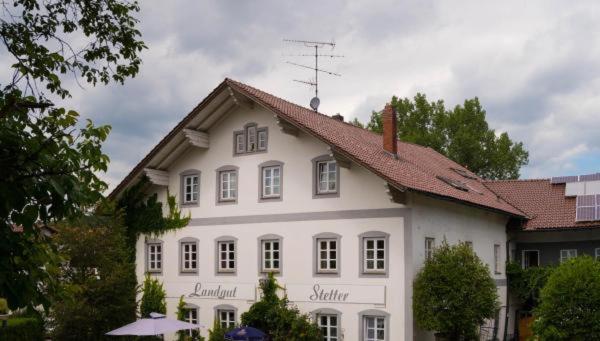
{"x":416,"y":168}
{"x":544,"y":203}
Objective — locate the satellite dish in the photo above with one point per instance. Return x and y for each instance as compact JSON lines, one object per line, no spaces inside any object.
{"x":314,"y":103}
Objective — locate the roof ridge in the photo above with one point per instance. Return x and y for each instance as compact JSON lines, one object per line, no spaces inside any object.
{"x":514,"y":180}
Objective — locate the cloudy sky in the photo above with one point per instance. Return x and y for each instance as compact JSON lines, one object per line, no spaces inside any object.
{"x":535,"y":65}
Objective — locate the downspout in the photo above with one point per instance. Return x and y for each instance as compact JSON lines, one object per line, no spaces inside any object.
{"x":506,"y":315}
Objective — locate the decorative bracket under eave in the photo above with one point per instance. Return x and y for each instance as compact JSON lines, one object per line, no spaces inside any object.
{"x":196,"y":138}
{"x":157,"y":177}
{"x":341,"y":160}
{"x":286,"y":127}
{"x":396,"y":195}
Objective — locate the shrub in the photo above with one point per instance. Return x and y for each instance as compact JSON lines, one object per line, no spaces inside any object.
{"x":217,"y":333}
{"x":526,"y":284}
{"x":276,"y":317}
{"x":570,"y":302}
{"x":23,"y":329}
{"x":454,"y":293}
{"x":153,"y":298}
{"x":3,"y":306}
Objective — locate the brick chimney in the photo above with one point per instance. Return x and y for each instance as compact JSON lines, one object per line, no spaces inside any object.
{"x":390,"y":128}
{"x":338,"y":117}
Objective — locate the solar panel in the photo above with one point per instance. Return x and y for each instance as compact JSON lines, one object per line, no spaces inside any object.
{"x":564,"y":179}
{"x":590,"y":177}
{"x":587,"y":208}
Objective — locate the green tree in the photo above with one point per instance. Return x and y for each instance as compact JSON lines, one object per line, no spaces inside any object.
{"x":570,"y":302}
{"x":49,"y":162}
{"x":97,"y":275}
{"x":462,"y":134}
{"x":526,"y":284}
{"x":153,"y":297}
{"x":278,"y":318}
{"x":453,"y":294}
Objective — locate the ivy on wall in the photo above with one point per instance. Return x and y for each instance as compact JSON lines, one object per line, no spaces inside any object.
{"x":144,"y":214}
{"x":526,"y":284}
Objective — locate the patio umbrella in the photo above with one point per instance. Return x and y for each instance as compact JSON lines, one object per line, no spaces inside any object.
{"x":245,"y":334}
{"x":155,"y":325}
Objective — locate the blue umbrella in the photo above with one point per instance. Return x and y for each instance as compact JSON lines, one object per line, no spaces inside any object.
{"x":245,"y":334}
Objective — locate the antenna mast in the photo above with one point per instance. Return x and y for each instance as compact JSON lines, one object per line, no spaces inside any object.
{"x":314,"y":103}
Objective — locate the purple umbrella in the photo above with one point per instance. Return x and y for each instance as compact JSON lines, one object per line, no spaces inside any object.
{"x":156,"y":325}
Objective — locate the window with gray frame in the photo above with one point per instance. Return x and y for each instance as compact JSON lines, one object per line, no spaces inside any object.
{"x":154,"y":257}
{"x":270,"y":248}
{"x":188,"y":253}
{"x":374,"y":253}
{"x":190,"y":187}
{"x":326,"y":253}
{"x":227,"y":184}
{"x":251,"y":139}
{"x":190,"y":315}
{"x":270,"y":182}
{"x":374,"y":325}
{"x":226,"y":316}
{"x":226,"y":257}
{"x":326,"y":177}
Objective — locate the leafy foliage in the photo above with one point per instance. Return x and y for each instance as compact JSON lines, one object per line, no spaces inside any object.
{"x":153,"y":297}
{"x":570,"y":302}
{"x":217,"y":332}
{"x":97,"y":275}
{"x":454,"y":293}
{"x":462,"y":134}
{"x":278,"y":318}
{"x":527,"y":283}
{"x":3,"y":306}
{"x":183,"y":335}
{"x":23,"y":329}
{"x":144,"y":214}
{"x":49,"y":162}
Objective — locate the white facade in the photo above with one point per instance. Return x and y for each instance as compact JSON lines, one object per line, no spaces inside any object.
{"x":360,"y":209}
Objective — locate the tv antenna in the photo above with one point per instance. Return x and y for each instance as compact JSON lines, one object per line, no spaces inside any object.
{"x":316,"y":45}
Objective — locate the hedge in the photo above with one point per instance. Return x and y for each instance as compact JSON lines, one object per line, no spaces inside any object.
{"x":22,"y":328}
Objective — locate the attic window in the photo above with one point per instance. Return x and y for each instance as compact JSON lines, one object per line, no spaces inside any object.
{"x":251,"y":139}
{"x":464,"y":173}
{"x":454,"y":183}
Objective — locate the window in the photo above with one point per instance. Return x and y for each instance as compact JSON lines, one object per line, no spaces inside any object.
{"x":374,"y":254}
{"x":226,"y":318}
{"x":190,"y":187}
{"x":154,"y":256}
{"x":530,"y":258}
{"x":597,"y":253}
{"x":189,"y":255}
{"x":190,"y":315}
{"x":567,"y":254}
{"x":251,"y":139}
{"x":329,"y":326}
{"x":374,"y":328}
{"x":271,"y":181}
{"x":429,"y":247}
{"x":227,"y":185}
{"x":327,"y":175}
{"x":240,"y":143}
{"x":226,"y":256}
{"x":270,"y":255}
{"x":497,"y":265}
{"x":327,"y":255}
{"x":262,"y":139}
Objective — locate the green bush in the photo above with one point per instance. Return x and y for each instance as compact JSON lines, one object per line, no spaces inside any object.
{"x":570,"y":302}
{"x":153,"y":298}
{"x":23,"y":329}
{"x":526,"y":284}
{"x":276,"y":317}
{"x":454,"y":293}
{"x":3,"y":306}
{"x":217,"y":333}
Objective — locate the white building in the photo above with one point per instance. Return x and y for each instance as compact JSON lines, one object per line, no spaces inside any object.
{"x":336,"y":212}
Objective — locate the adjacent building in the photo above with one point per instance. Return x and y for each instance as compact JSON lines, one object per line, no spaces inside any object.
{"x":342,"y":216}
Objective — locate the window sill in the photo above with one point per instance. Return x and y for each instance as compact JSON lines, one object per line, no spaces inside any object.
{"x":326,"y":195}
{"x":188,"y":272}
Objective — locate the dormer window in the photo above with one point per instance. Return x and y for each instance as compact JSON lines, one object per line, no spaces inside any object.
{"x":251,"y":139}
